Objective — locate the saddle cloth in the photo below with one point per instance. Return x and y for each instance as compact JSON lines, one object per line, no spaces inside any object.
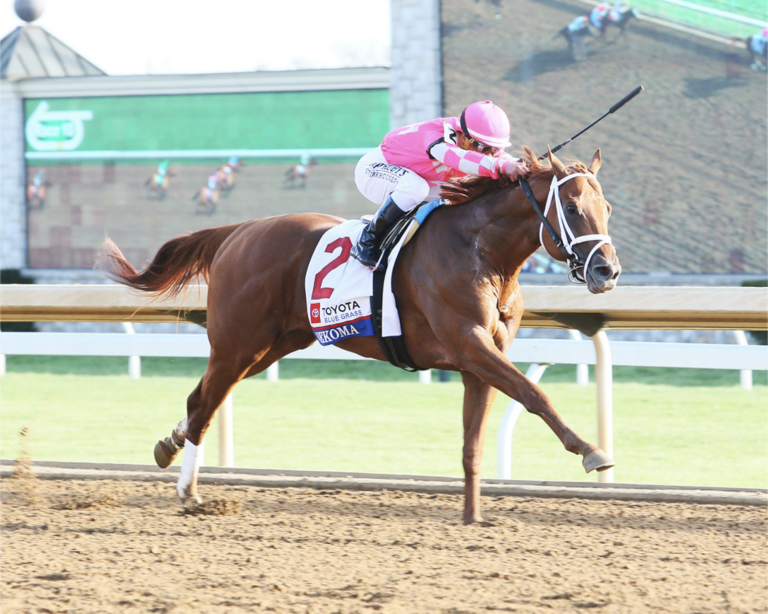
{"x":339,"y":287}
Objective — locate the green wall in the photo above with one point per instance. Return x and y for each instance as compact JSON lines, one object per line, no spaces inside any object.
{"x":272,"y":120}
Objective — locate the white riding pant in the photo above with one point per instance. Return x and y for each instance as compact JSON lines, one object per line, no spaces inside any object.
{"x":377,"y":180}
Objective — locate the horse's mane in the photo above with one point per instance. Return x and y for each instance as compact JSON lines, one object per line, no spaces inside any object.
{"x":464,"y":189}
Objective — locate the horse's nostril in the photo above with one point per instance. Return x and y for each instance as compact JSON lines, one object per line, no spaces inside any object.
{"x":603,"y":273}
{"x":616,"y":272}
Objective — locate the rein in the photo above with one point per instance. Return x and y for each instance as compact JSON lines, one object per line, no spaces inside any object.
{"x":577,"y":267}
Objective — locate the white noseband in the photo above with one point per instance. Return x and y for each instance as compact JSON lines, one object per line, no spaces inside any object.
{"x":569,"y":239}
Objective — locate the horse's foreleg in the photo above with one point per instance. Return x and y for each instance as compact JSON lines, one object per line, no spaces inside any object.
{"x":484,"y":359}
{"x":478,"y":400}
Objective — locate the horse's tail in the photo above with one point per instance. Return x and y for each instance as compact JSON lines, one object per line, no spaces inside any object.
{"x":177,"y":263}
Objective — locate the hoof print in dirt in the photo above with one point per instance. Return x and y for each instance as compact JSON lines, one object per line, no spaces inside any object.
{"x":83,"y":503}
{"x":215,"y":507}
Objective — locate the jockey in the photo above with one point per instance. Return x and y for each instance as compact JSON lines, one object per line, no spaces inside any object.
{"x":599,"y":13}
{"x":758,"y":42}
{"x":411,"y":163}
{"x":580,"y":25}
{"x":301,"y":167}
{"x":232,"y":165}
{"x":619,"y":8}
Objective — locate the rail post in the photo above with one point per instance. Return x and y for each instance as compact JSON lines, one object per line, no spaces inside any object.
{"x":744,"y":376}
{"x":507,"y":427}
{"x":582,"y":371}
{"x":604,"y":381}
{"x":134,"y":362}
{"x":226,"y":437}
{"x":273,"y":372}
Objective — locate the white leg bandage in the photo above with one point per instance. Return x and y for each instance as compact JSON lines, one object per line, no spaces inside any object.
{"x":190,"y":467}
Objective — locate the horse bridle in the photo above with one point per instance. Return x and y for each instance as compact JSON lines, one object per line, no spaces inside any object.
{"x":577,"y":268}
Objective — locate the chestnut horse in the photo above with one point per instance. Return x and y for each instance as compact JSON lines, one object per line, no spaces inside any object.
{"x":456,"y":285}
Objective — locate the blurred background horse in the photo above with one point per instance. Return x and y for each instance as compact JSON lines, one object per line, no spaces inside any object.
{"x":208,"y":196}
{"x":576,"y":33}
{"x":757,"y":45}
{"x":37,"y":189}
{"x":226,"y":174}
{"x":158,"y":182}
{"x":296,"y":176}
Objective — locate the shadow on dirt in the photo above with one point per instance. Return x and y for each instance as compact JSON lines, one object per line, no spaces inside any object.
{"x":550,"y":60}
{"x":705,"y":88}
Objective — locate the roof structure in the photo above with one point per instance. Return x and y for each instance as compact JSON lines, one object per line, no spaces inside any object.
{"x":30,"y":52}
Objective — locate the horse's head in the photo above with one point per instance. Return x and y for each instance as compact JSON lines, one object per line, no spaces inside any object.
{"x":577,"y":210}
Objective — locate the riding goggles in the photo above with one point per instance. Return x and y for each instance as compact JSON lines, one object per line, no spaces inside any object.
{"x":482,"y":148}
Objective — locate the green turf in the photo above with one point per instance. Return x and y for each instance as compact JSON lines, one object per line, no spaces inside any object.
{"x":754,"y":9}
{"x":671,"y":426}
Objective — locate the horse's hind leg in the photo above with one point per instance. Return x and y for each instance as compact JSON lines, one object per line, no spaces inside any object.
{"x":217,"y":382}
{"x":223,"y":372}
{"x":166,"y":450}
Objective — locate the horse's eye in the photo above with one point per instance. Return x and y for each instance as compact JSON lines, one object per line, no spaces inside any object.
{"x":571,"y":209}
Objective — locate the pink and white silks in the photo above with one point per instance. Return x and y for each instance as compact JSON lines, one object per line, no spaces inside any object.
{"x":413,"y":160}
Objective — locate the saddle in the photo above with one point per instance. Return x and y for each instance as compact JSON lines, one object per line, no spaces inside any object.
{"x":392,"y":238}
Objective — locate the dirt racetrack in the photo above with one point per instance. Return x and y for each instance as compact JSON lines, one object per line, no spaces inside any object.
{"x":121,"y":546}
{"x":684,"y":164}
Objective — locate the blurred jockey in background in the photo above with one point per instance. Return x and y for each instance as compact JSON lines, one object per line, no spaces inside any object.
{"x":233,"y":164}
{"x":411,"y":163}
{"x":757,"y":44}
{"x":580,"y":25}
{"x":618,"y":9}
{"x":162,"y":171}
{"x":599,"y":13}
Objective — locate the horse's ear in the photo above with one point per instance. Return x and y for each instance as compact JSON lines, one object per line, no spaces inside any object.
{"x":557,"y":166}
{"x":531,"y":158}
{"x":597,"y":162}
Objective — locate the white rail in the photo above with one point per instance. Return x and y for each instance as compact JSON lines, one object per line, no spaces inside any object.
{"x":543,"y":351}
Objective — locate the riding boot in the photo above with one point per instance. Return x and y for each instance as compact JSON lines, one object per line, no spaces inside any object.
{"x":367,"y":249}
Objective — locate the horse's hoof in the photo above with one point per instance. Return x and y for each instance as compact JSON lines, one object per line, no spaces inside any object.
{"x":165,"y":453}
{"x":186,"y":494}
{"x":597,"y":460}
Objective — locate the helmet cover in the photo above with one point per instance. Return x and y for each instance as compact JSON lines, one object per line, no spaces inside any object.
{"x":485,"y":122}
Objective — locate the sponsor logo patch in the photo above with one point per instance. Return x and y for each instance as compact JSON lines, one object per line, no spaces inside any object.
{"x":314,"y":313}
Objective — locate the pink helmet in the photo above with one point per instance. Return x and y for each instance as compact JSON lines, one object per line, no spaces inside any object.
{"x":485,"y":122}
{"x":765,"y":32}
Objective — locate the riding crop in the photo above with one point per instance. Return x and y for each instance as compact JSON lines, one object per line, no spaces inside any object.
{"x":613,"y":109}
